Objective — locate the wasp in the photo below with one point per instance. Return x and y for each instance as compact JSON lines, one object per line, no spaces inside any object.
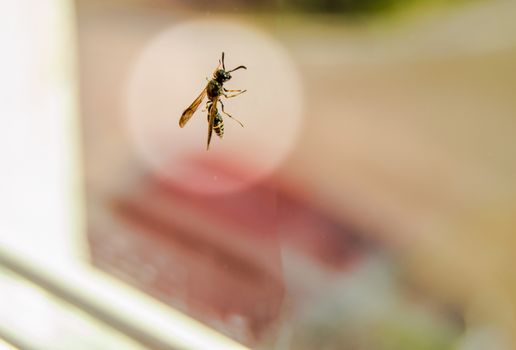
{"x":214,"y":90}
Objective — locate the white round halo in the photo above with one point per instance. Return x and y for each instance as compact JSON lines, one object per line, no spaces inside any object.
{"x":170,"y":73}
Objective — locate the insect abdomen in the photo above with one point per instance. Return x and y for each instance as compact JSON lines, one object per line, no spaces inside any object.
{"x":218,"y":125}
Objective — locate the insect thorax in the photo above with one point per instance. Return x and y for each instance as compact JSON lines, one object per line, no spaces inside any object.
{"x":213,"y":89}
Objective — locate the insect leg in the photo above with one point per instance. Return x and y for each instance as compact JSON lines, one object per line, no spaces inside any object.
{"x":207,"y":106}
{"x":235,"y":119}
{"x":238,"y":93}
{"x":226,"y":90}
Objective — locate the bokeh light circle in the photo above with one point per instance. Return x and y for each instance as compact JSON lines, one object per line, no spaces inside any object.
{"x":169,"y":74}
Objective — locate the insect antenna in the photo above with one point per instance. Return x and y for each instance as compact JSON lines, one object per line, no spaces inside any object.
{"x":239,"y":67}
{"x":223,"y":65}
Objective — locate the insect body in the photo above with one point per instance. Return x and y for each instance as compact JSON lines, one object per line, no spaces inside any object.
{"x":214,"y":90}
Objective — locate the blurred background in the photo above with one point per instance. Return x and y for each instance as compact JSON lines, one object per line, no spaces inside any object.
{"x":368,"y":202}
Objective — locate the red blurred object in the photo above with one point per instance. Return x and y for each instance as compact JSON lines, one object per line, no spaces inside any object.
{"x":216,"y":257}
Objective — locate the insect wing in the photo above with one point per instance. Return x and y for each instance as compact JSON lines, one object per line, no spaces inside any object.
{"x":187,"y":114}
{"x":211,"y":120}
